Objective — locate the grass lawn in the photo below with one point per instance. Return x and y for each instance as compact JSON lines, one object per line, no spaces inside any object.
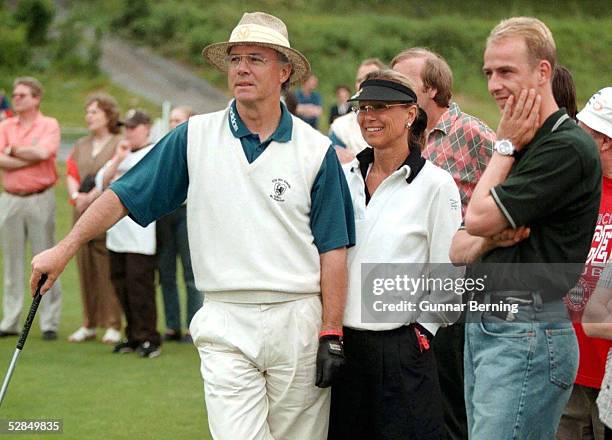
{"x":97,"y":394}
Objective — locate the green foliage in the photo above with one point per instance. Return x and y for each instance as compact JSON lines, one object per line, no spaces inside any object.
{"x":77,"y":47}
{"x":336,"y":36}
{"x":14,"y":49}
{"x":36,"y":16}
{"x":130,"y":12}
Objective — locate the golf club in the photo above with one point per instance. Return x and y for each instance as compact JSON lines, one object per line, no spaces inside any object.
{"x":23,"y":337}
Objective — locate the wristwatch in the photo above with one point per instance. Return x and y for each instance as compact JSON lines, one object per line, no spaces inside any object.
{"x":505,"y":148}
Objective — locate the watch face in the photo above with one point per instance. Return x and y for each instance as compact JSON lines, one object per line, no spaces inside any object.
{"x":505,"y":147}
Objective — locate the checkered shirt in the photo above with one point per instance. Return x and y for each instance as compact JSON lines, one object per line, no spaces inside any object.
{"x":461,"y":145}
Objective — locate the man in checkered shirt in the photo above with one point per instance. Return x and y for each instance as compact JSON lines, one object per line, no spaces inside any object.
{"x":462,"y":145}
{"x":457,"y":142}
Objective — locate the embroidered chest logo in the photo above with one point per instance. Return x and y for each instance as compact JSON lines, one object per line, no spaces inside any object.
{"x":279,"y":189}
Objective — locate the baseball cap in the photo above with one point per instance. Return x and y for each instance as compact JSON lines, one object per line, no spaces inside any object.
{"x":136,"y":117}
{"x":597,"y":113}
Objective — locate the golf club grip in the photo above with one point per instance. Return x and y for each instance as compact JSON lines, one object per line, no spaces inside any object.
{"x":32,"y":313}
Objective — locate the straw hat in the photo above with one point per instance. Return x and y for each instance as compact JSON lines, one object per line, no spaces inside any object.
{"x":259,"y":29}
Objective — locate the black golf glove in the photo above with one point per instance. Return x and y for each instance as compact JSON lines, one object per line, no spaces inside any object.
{"x":330,"y":359}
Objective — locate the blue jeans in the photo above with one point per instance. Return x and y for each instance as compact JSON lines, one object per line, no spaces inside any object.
{"x":519,"y":375}
{"x":172,"y":240}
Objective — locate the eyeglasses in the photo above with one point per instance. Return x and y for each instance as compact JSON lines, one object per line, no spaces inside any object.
{"x":252,"y":60}
{"x":19,"y":95}
{"x":376,"y":107}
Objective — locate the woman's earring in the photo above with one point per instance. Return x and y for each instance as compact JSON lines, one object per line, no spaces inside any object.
{"x":408,"y":124}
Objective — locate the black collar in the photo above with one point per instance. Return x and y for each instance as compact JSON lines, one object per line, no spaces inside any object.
{"x":414,"y":160}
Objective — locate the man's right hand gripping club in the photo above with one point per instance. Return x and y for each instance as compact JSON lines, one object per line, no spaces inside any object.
{"x":330,"y":359}
{"x":99,"y":217}
{"x":51,"y":262}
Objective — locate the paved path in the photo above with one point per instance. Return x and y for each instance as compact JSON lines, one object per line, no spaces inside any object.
{"x":140,"y":71}
{"x":155,"y":78}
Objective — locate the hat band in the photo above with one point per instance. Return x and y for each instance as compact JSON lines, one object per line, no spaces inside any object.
{"x":251,"y":33}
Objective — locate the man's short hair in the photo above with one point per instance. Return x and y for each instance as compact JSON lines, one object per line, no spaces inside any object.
{"x":436,"y":73}
{"x":35,"y":86}
{"x":538,"y":38}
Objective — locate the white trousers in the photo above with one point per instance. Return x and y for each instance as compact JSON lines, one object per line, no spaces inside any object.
{"x":30,"y":218}
{"x":258,"y":366}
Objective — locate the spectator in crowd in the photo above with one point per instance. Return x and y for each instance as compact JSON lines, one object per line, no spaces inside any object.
{"x":462,"y":145}
{"x":269,"y":222}
{"x":29,"y":143}
{"x":5,"y":107}
{"x":390,"y":372}
{"x":90,"y":153}
{"x":344,"y":132}
{"x":541,"y":191}
{"x":580,"y":419}
{"x":597,"y":323}
{"x":564,"y":90}
{"x":456,"y":141}
{"x":309,"y":102}
{"x":172,"y":241}
{"x":132,"y":247}
{"x":342,"y":106}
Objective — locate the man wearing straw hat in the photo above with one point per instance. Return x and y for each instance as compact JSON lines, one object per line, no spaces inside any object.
{"x":269,"y":220}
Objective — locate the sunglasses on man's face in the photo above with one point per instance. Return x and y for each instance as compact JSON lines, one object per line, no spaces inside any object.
{"x":375,"y":107}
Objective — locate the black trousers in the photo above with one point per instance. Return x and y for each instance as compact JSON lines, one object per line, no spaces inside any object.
{"x":607,"y":433}
{"x":388,"y":389}
{"x":448,"y":348}
{"x":133,"y":276}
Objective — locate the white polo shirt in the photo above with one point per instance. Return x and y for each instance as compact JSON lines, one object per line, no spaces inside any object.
{"x":402,"y":223}
{"x":127,"y":236}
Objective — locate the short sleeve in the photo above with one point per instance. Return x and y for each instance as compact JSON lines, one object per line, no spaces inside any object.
{"x":331,"y":218}
{"x":158,"y":184}
{"x":538,"y":183}
{"x":50,"y":139}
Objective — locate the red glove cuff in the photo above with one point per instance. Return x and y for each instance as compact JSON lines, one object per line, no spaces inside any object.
{"x":331,"y":333}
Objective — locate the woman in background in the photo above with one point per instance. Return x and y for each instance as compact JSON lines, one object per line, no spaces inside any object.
{"x":100,"y":305}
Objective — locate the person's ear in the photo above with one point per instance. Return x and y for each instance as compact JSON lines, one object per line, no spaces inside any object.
{"x":431,"y":93}
{"x":285,"y":72}
{"x":545,"y":72}
{"x":606,"y":144}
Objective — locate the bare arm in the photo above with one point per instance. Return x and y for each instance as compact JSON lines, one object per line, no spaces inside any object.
{"x":121,"y":152}
{"x":309,"y":110}
{"x":333,"y":288}
{"x":31,"y":154}
{"x":597,"y":317}
{"x":11,"y":163}
{"x":483,"y":217}
{"x":518,"y":124}
{"x":104,"y":213}
{"x":466,"y":248}
{"x":72,"y":185}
